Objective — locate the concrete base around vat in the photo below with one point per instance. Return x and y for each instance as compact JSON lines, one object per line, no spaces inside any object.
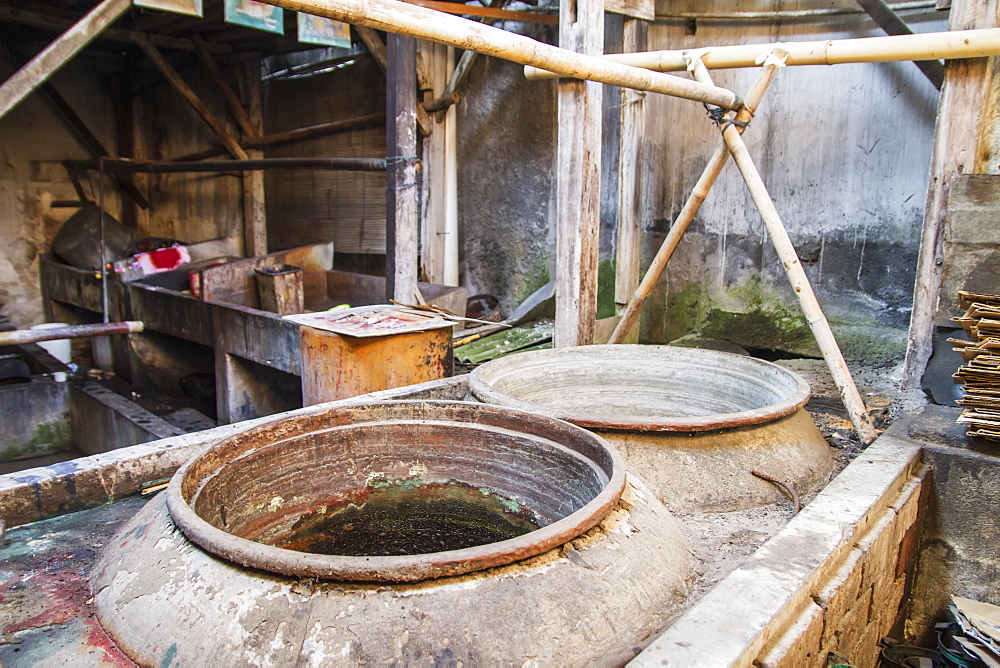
{"x":710,"y":471}
{"x":592,"y":600}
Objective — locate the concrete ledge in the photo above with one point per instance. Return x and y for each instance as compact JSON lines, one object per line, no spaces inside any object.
{"x":39,"y":493}
{"x":750,"y":616}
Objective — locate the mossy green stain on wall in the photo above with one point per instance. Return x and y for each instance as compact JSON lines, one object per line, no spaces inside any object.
{"x":46,"y":438}
{"x":756,"y":315}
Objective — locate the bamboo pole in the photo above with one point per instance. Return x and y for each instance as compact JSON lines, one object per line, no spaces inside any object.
{"x":925,"y":46}
{"x":630,"y":315}
{"x":853,"y":402}
{"x":51,"y":59}
{"x":20,"y":336}
{"x":407,"y":19}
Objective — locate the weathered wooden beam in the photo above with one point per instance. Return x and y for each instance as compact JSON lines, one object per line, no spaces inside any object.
{"x":377,"y":48}
{"x":433,"y":69}
{"x":581,"y":29}
{"x":889,"y":21}
{"x":175,"y":79}
{"x":956,"y":141}
{"x":632,"y":121}
{"x":298,"y":134}
{"x":53,"y":57}
{"x":401,"y":170}
{"x":488,"y":12}
{"x":254,"y":211}
{"x":250,"y":129}
{"x":60,"y":23}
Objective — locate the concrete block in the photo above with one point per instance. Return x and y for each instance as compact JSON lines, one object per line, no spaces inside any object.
{"x":881,"y":550}
{"x":852,"y":626}
{"x":841,"y":592}
{"x":886,"y":600}
{"x":800,"y":645}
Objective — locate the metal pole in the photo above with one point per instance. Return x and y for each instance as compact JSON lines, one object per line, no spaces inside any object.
{"x":19,"y":336}
{"x":164,"y":167}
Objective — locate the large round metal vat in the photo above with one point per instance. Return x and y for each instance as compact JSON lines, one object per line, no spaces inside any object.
{"x":694,"y":423}
{"x":370,"y":490}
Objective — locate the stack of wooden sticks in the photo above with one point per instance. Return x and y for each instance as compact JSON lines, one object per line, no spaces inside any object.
{"x":980,"y":375}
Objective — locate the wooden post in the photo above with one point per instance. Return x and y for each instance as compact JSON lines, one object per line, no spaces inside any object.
{"x":52,"y":58}
{"x":378,"y":51}
{"x":401,"y":170}
{"x":433,"y":58}
{"x":254,"y":213}
{"x":578,"y":174}
{"x":956,"y":139}
{"x":171,"y":75}
{"x":632,"y":120}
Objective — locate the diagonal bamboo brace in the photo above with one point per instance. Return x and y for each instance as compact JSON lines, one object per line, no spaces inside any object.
{"x":705,"y":182}
{"x":856,"y":409}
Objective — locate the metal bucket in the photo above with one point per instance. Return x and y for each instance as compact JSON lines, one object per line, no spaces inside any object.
{"x":694,"y":423}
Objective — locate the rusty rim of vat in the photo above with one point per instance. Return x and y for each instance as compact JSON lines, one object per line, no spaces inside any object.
{"x":571,"y":365}
{"x":191,"y":478}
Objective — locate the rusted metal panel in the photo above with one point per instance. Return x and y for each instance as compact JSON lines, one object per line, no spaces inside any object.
{"x":338,"y":367}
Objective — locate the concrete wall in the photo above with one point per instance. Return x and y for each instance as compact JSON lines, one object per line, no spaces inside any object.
{"x":844,"y":151}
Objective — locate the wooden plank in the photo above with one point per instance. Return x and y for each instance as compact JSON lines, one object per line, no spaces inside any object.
{"x":175,"y":79}
{"x":488,"y":12}
{"x":956,"y":142}
{"x":401,"y":170}
{"x":254,"y":205}
{"x":889,"y":21}
{"x":377,"y":49}
{"x":581,"y":29}
{"x":432,"y":59}
{"x":60,"y":23}
{"x":632,"y":121}
{"x":637,"y":9}
{"x":52,"y":58}
{"x":251,"y":129}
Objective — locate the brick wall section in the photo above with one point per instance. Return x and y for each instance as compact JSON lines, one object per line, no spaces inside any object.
{"x":863,"y":600}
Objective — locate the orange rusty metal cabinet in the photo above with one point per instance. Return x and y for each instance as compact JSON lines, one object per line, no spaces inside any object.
{"x":338,"y":367}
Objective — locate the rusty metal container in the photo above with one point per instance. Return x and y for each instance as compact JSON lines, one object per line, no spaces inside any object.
{"x":693,"y":423}
{"x":495,"y":538}
{"x":279,"y":288}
